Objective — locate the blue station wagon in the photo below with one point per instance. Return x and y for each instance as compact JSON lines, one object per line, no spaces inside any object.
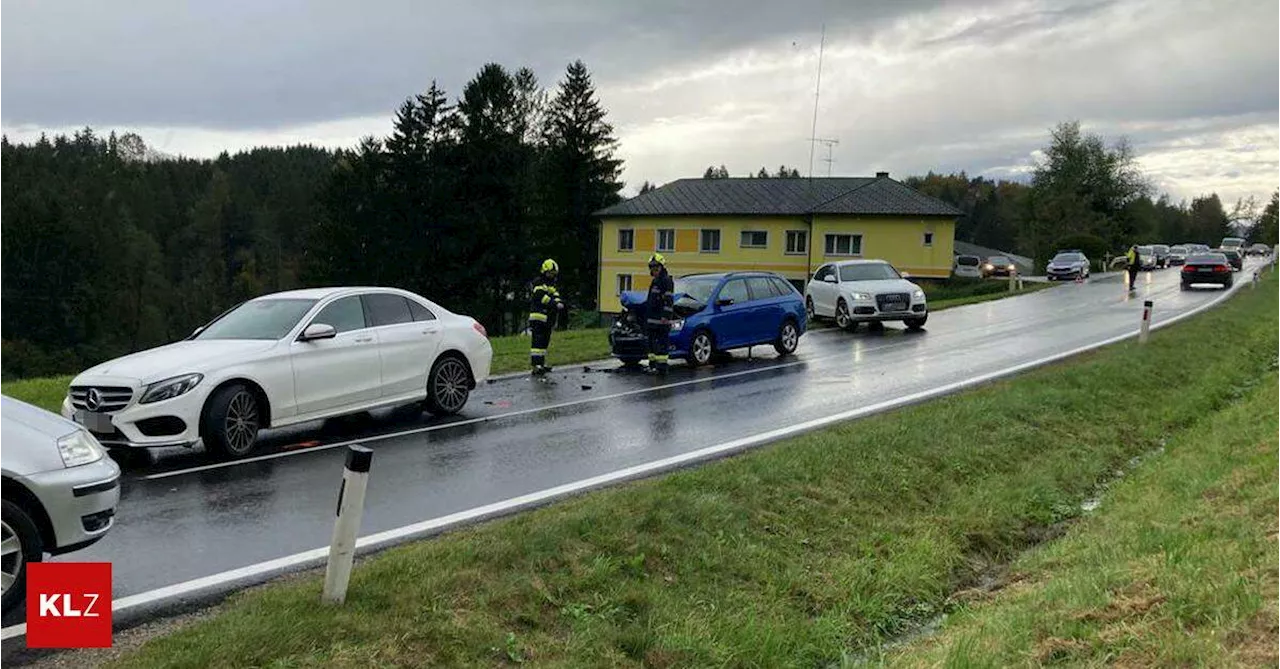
{"x":716,"y":313}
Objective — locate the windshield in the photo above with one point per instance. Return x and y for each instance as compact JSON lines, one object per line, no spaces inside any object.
{"x":259,"y":319}
{"x":1178,"y":249}
{"x":1065,"y":258}
{"x":1161,"y":248}
{"x":1145,"y":249}
{"x":871,"y":271}
{"x":697,"y":287}
{"x":1207,"y":258}
{"x":968,"y":261}
{"x":1232,"y":241}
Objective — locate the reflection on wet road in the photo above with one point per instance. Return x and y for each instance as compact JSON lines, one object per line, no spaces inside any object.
{"x":182,"y":516}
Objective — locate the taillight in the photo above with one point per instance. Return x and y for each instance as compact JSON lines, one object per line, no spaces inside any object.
{"x":480,"y":328}
{"x":1221,"y":268}
{"x":1188,"y":268}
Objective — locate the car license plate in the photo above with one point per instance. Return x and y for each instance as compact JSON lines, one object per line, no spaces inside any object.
{"x":95,"y":422}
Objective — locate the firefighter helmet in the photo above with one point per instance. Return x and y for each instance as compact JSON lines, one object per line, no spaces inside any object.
{"x":657,"y":259}
{"x":550,"y":265}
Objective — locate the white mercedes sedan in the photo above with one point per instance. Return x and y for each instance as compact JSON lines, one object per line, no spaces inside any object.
{"x":283,"y":359}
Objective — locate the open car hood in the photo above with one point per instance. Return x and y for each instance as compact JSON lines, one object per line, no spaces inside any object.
{"x":636,"y":301}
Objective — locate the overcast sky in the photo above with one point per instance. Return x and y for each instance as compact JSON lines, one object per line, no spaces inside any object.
{"x":907,"y":86}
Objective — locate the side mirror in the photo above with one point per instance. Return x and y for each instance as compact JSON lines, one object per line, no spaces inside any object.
{"x":318,"y":331}
{"x":724,"y":301}
{"x":830,"y":278}
{"x":906,"y":275}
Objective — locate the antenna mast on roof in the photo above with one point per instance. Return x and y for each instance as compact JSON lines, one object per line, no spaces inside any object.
{"x":817,"y":92}
{"x":828,"y":160}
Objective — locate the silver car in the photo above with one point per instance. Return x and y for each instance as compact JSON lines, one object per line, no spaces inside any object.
{"x":60,"y":491}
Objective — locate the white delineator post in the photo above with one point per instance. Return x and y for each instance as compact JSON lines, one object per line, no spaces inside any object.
{"x":1013,"y":278}
{"x":342,"y":551}
{"x":1146,"y":322}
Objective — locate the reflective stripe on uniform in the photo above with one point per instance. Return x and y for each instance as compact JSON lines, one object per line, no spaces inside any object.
{"x":659,"y":358}
{"x":537,"y":351}
{"x":546,"y":299}
{"x":538,"y":317}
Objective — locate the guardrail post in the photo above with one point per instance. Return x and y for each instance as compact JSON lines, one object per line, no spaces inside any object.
{"x":1254,"y":283}
{"x":1012,"y":279}
{"x":1146,"y":322}
{"x":342,"y":550}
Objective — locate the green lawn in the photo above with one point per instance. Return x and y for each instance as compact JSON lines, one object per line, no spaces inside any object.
{"x":1177,"y":568}
{"x":810,"y":552}
{"x":46,"y":393}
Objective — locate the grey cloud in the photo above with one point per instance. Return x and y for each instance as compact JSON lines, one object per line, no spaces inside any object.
{"x":244,"y":64}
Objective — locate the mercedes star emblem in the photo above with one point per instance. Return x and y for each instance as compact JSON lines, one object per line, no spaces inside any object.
{"x":93,"y":399}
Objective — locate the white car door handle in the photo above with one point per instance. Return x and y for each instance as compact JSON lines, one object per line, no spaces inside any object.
{"x":363,"y":340}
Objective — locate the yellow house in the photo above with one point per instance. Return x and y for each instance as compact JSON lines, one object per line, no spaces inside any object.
{"x":787,"y":226}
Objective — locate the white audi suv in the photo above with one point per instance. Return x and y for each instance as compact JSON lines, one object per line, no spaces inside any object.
{"x":865,"y":291}
{"x":283,"y":359}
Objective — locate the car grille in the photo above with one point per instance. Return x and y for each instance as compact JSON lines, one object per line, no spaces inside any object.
{"x":111,"y":398}
{"x":893,"y":302}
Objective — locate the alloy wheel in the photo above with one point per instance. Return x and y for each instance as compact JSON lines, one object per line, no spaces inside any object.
{"x":701,"y":348}
{"x":241,"y":422}
{"x":11,"y":557}
{"x":842,"y":315}
{"x":450,"y":387}
{"x":789,"y":336}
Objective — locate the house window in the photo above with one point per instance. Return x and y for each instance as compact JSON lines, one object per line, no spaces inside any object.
{"x":844,"y":245}
{"x":797,"y":242}
{"x":627,"y":240}
{"x":928,"y":239}
{"x":710,"y":241}
{"x":754,"y":239}
{"x":624,"y":283}
{"x":667,"y":240}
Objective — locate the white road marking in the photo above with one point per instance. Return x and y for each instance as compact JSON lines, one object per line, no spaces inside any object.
{"x":434,"y":525}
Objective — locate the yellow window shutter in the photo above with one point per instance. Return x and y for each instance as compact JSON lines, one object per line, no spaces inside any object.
{"x":645,"y":240}
{"x":687,"y":241}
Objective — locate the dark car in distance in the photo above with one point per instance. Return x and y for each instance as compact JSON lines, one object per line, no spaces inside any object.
{"x":1207,"y":268}
{"x":1162,"y":254}
{"x":1234,"y":256}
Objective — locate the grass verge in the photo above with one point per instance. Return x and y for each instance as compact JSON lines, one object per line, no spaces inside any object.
{"x":46,"y":393}
{"x":1178,"y":568}
{"x":804,"y":553}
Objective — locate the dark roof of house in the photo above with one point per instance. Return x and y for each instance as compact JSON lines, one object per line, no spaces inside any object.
{"x":782,"y":197}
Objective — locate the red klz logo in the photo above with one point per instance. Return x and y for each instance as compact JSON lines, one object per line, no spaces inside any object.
{"x":69,"y":605}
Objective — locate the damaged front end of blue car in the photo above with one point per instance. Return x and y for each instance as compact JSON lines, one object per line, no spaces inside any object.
{"x":628,"y":339}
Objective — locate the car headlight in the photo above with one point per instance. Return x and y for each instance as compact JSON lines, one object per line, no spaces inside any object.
{"x":170,"y":388}
{"x":988,"y":266}
{"x":861,"y":296}
{"x":919,"y":294}
{"x":677,"y":326}
{"x":79,"y":448}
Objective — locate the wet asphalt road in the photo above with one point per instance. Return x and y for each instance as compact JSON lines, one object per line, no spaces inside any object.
{"x":521,"y":435}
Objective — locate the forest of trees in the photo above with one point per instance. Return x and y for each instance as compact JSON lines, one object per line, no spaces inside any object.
{"x":1090,"y":196}
{"x":110,"y":248}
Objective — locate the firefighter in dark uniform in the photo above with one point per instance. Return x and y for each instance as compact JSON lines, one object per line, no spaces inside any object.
{"x":659,"y":313}
{"x":544,"y":306}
